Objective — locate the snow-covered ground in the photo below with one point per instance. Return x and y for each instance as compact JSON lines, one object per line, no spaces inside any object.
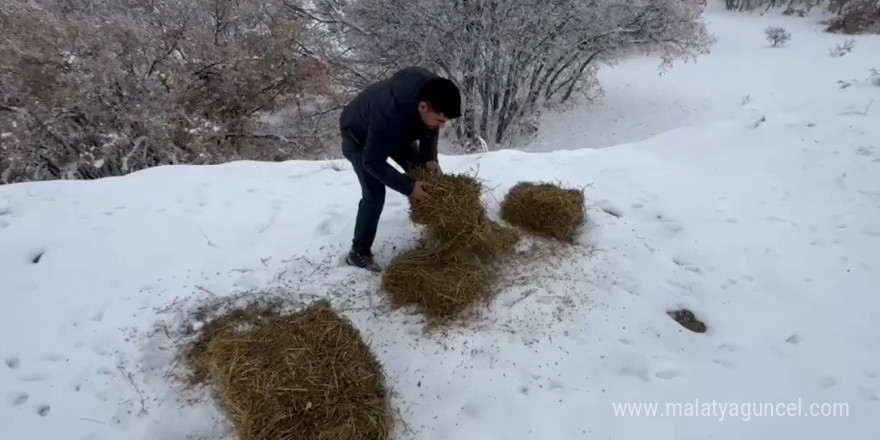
{"x":763,"y":218}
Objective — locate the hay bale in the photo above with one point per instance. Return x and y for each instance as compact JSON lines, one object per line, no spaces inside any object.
{"x":302,"y":376}
{"x":546,"y":209}
{"x":456,"y":216}
{"x":442,"y":283}
{"x":248,"y":315}
{"x":456,"y":203}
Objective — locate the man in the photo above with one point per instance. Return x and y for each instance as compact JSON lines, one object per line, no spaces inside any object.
{"x":399,"y":117}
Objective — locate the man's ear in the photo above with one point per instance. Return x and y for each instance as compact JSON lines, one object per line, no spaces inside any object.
{"x":423,"y":107}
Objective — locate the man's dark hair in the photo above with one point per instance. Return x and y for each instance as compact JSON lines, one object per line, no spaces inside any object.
{"x":442,"y":96}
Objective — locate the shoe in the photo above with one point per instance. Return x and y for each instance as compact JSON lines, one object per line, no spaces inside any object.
{"x":363,"y":261}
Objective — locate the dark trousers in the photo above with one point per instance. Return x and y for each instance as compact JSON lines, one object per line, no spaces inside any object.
{"x":372,"y":190}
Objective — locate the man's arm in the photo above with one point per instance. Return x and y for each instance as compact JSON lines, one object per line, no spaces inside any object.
{"x":428,"y":147}
{"x":376,"y":150}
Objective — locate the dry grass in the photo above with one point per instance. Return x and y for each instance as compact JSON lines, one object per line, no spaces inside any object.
{"x":194,"y":355}
{"x":448,"y":272}
{"x":456,"y":216}
{"x":442,"y":283}
{"x":307,"y":375}
{"x":546,"y":209}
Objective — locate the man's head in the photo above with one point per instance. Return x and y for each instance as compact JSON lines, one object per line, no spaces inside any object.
{"x":439,"y":101}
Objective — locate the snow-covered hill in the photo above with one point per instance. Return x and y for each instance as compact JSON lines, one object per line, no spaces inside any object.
{"x":763,"y":219}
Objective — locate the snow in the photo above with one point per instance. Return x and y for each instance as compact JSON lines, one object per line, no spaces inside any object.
{"x":763,"y":218}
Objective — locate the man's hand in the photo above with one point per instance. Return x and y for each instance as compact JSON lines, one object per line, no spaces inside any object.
{"x":419,"y":194}
{"x":434,"y":167}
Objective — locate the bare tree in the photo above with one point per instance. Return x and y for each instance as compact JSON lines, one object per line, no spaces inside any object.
{"x":91,"y":89}
{"x":509,"y":57}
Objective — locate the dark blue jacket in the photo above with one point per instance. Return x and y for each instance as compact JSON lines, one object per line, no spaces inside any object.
{"x":384,"y":117}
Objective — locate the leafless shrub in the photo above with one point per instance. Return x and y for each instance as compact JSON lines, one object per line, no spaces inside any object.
{"x":92,"y":89}
{"x":776,"y":35}
{"x":843,"y":49}
{"x":874,"y":77}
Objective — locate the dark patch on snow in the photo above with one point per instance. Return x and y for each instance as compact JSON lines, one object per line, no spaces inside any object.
{"x":687,"y":320}
{"x":36,"y":258}
{"x":19,"y":399}
{"x":12,"y":362}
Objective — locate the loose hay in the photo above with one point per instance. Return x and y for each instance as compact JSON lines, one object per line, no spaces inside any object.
{"x":545,"y":208}
{"x":456,"y":216}
{"x":303,"y":376}
{"x":443,"y":283}
{"x":456,"y":203}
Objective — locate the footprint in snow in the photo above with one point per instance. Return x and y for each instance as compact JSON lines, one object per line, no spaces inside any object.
{"x":672,"y":226}
{"x":667,"y":374}
{"x":472,"y":409}
{"x":12,"y":362}
{"x":687,"y":266}
{"x":869,"y":394}
{"x":53,"y":357}
{"x":43,"y":410}
{"x":554,"y":385}
{"x":637,"y":372}
{"x":610,"y":210}
{"x":728,"y":347}
{"x":827,"y":382}
{"x":18,"y":399}
{"x":101,"y":347}
{"x":36,"y":377}
{"x":328,"y":225}
{"x":98,"y":316}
